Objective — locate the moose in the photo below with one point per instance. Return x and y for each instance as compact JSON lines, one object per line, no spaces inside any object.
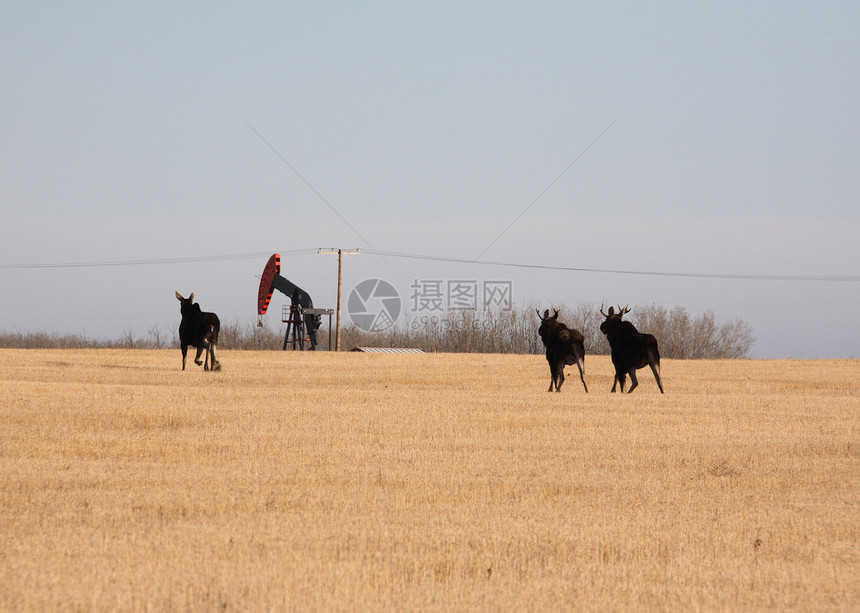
{"x":629,"y":349}
{"x":563,"y":346}
{"x":198,"y":329}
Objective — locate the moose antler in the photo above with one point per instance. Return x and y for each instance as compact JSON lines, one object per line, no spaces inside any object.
{"x":624,"y":311}
{"x":601,"y":310}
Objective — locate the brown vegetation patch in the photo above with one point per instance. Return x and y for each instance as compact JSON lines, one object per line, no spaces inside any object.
{"x":424,"y":482}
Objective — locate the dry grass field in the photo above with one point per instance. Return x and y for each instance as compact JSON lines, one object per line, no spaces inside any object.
{"x":302,"y":481}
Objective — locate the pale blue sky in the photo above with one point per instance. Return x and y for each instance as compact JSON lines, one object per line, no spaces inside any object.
{"x":128,"y":133}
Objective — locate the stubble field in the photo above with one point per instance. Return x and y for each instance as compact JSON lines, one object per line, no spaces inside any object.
{"x":322,"y":481}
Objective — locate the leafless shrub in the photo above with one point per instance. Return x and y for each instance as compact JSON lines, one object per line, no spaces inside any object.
{"x":250,"y":336}
{"x":157,"y":338}
{"x":735,"y":339}
{"x":44,"y":340}
{"x":128,"y":340}
{"x":680,"y":335}
{"x":684,"y":337}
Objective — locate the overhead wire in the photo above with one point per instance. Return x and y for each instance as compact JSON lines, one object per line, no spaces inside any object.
{"x":156,"y":261}
{"x":651,"y":273}
{"x":438,"y":258}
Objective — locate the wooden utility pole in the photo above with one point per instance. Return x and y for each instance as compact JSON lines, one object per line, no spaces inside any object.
{"x":340,"y":253}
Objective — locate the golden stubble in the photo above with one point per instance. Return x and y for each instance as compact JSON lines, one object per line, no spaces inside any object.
{"x":411,"y":482}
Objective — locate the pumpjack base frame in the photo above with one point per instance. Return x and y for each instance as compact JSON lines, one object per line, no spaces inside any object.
{"x":294,"y":316}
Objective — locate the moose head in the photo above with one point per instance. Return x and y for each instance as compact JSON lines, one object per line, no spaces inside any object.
{"x":185,"y":304}
{"x":548,"y":324}
{"x":613,"y":320}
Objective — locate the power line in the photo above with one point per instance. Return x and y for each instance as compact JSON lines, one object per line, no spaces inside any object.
{"x":308,"y":183}
{"x":546,"y":189}
{"x":156,"y":261}
{"x":436,"y":258}
{"x":688,"y":275}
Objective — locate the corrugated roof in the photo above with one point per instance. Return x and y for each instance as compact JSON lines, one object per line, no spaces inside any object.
{"x":387,"y":350}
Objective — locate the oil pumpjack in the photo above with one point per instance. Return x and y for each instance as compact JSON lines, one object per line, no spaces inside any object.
{"x":302,"y":319}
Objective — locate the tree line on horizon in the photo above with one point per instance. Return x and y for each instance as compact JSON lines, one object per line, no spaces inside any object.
{"x":680,"y":335}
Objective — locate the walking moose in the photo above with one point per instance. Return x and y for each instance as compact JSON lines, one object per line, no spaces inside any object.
{"x":198,"y":329}
{"x":563,"y":346}
{"x":629,"y":348}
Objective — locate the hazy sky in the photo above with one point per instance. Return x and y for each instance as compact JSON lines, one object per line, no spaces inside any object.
{"x":704,"y":138}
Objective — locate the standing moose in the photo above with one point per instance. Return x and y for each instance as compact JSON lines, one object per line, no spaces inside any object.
{"x":198,"y":329}
{"x":563,"y":346}
{"x":630,"y":349}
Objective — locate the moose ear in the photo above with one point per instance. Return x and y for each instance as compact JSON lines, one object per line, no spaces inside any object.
{"x":191,"y":297}
{"x":611,"y":311}
{"x":178,"y":296}
{"x":546,"y":314}
{"x":556,"y":314}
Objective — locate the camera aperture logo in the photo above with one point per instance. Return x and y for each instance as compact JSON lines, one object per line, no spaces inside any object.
{"x":374,"y":305}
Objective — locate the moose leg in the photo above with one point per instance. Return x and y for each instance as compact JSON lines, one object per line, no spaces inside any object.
{"x":209,"y":361}
{"x":620,"y":379}
{"x":620,"y":375}
{"x":633,"y":381}
{"x":200,"y":349}
{"x":216,"y":365}
{"x":655,"y":368}
{"x":184,"y":351}
{"x":551,"y":371}
{"x":560,"y":378}
{"x":580,"y":364}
